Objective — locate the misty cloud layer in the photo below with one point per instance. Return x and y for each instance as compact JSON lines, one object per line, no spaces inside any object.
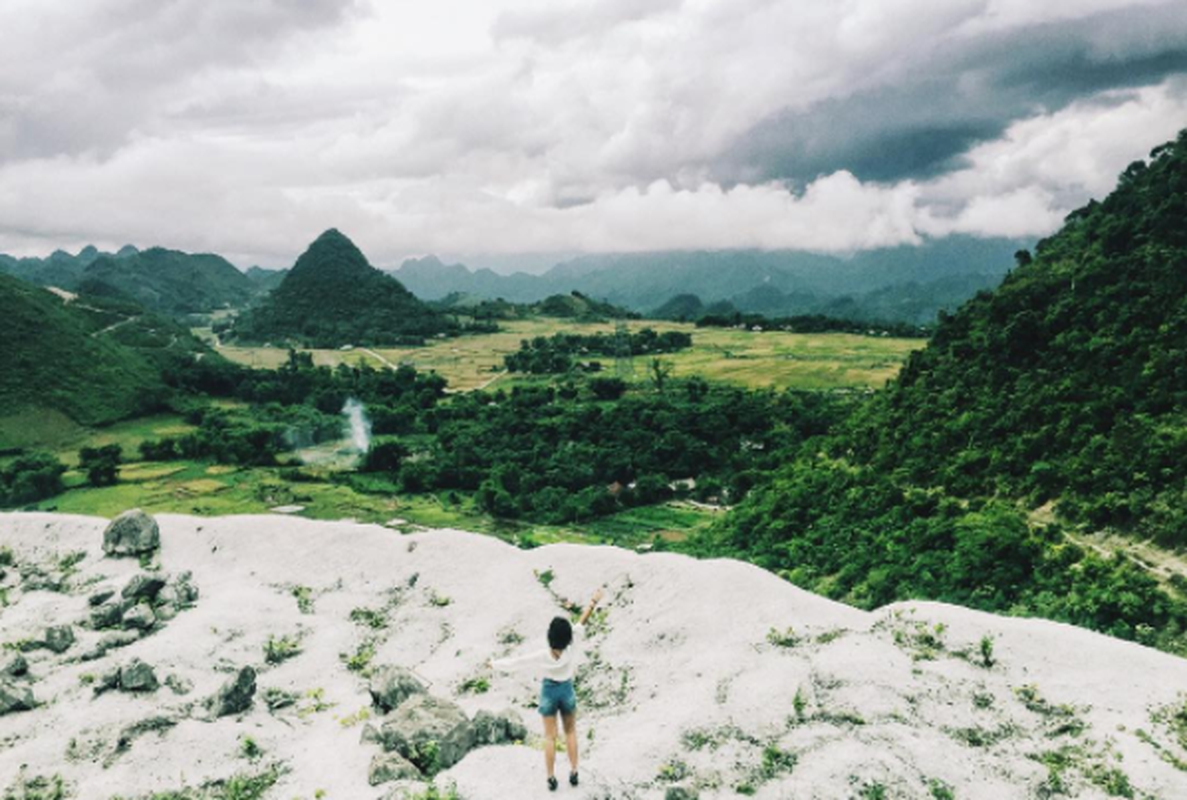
{"x":469,"y":126}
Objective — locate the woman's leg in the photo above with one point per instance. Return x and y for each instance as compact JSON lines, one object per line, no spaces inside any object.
{"x":550,"y":744}
{"x":570,"y":723}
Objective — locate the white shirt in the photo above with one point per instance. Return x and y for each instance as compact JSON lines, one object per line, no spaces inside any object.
{"x":541,"y":662}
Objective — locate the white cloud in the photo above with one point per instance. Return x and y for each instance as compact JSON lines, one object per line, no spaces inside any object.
{"x":467,"y":125}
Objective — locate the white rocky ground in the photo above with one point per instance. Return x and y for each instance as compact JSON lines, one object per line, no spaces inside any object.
{"x":683,"y":693}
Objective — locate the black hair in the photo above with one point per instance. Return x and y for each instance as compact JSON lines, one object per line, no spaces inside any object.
{"x":560,"y":633}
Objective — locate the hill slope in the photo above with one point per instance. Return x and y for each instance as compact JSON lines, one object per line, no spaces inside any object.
{"x":683,"y":683}
{"x":332,"y":296}
{"x":166,"y":281}
{"x":173,"y":282}
{"x":52,"y":360}
{"x":1067,"y":382}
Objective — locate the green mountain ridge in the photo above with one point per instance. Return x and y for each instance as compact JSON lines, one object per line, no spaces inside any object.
{"x":1067,"y":384}
{"x":53,"y":361}
{"x":333,"y":296}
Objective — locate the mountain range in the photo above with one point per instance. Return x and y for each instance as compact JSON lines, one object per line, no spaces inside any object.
{"x":909,"y":284}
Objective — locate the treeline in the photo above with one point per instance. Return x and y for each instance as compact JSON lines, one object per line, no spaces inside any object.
{"x":553,"y":355}
{"x":814,"y":323}
{"x":563,"y":455}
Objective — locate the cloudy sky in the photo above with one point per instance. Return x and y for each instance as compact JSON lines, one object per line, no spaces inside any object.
{"x":246,"y":127}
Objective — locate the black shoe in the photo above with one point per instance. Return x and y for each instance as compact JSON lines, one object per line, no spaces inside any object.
{"x":572,"y":778}
{"x":551,"y":784}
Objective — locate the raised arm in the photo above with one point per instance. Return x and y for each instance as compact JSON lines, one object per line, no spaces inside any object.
{"x":593,"y":603}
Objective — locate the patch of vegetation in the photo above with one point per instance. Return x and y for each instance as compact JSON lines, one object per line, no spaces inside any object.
{"x":38,"y":787}
{"x":940,"y":790}
{"x":439,"y":600}
{"x":249,"y":749}
{"x":545,"y":577}
{"x":371,"y":618}
{"x":783,"y":638}
{"x":304,"y":598}
{"x":360,"y":660}
{"x":279,"y":649}
{"x":314,"y":703}
{"x":277,"y":699}
{"x":360,"y":716}
{"x":476,"y":685}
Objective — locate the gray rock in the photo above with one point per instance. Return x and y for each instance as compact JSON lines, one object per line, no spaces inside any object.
{"x":111,"y":641}
{"x":15,"y":666}
{"x":235,"y":695}
{"x":107,"y":615}
{"x":432,"y":733}
{"x":165,"y":613}
{"x":167,"y":597}
{"x":501,"y":728}
{"x":137,"y":676}
{"x":15,"y":698}
{"x":187,"y":592}
{"x":387,"y":767}
{"x":143,"y":587}
{"x":178,"y":684}
{"x":140,"y":617}
{"x":390,"y":686}
{"x":681,"y":793}
{"x":59,"y":638}
{"x":99,"y":598}
{"x":370,"y":735}
{"x":132,"y":533}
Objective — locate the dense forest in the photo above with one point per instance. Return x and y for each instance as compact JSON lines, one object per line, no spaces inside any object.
{"x":1068,"y":383}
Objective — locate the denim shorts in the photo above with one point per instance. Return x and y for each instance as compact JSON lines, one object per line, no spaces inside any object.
{"x":557,"y":695}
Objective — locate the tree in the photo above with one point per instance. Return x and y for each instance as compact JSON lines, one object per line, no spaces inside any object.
{"x":102,"y":464}
{"x":659,"y":370}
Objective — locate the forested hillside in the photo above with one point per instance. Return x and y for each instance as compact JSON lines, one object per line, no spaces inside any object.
{"x":52,"y":359}
{"x":1068,"y":383}
{"x":332,"y":296}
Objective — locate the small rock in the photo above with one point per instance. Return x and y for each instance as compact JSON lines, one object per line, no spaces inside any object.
{"x":235,"y":695}
{"x":499,"y":728}
{"x":167,"y":597}
{"x":132,"y":533}
{"x":137,"y":676}
{"x":140,"y":617}
{"x":143,"y":587}
{"x":99,"y":598}
{"x":110,"y":642}
{"x":59,"y":638}
{"x":178,"y":684}
{"x":15,"y":698}
{"x":187,"y":592}
{"x":15,"y":667}
{"x":165,"y":613}
{"x":370,"y":735}
{"x":107,"y":615}
{"x":386,"y":767}
{"x":390,"y":686}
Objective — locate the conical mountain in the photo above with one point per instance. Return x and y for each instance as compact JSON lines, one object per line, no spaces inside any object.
{"x":332,"y":297}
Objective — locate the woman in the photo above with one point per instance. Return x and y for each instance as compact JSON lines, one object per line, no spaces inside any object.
{"x":556,"y":666}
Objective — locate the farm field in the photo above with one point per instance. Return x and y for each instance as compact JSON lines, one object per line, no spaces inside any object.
{"x":769,"y":359}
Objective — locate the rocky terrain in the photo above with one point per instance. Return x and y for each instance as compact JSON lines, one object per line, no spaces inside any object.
{"x":276,"y":657}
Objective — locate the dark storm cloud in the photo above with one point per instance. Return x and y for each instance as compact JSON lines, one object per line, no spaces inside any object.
{"x":960,"y":93}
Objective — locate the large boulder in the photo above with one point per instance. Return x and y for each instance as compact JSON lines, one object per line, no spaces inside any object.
{"x":59,"y":638}
{"x":132,"y":533}
{"x":501,"y":728}
{"x":15,"y":698}
{"x":137,"y":676}
{"x":387,"y":767}
{"x":390,"y":686}
{"x":432,"y":733}
{"x":236,"y":695}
